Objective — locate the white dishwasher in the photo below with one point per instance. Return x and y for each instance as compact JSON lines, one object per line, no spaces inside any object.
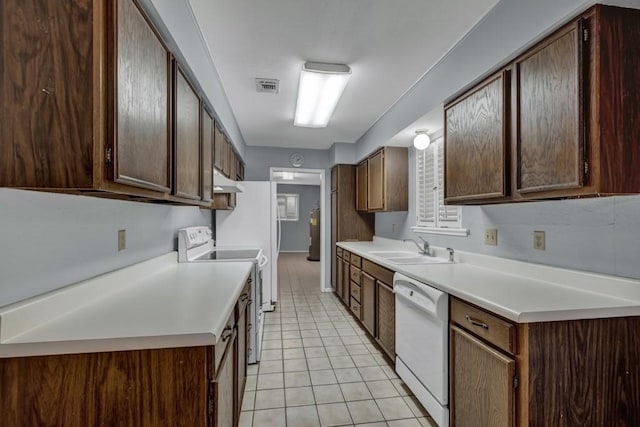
{"x":422,"y":343}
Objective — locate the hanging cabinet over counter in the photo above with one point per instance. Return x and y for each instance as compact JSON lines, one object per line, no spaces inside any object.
{"x":560,"y":121}
{"x":96,"y":105}
{"x":384,"y":176}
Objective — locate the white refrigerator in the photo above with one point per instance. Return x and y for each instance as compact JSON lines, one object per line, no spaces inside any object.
{"x":254,"y":222}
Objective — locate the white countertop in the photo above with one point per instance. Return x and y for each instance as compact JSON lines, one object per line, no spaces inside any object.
{"x":519,"y":291}
{"x":158,"y":303}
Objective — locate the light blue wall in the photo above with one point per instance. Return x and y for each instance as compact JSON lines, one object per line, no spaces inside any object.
{"x":506,"y":30}
{"x":175,"y":21}
{"x":259,"y":160}
{"x":295,"y":234}
{"x":601,"y":235}
{"x":52,"y":240}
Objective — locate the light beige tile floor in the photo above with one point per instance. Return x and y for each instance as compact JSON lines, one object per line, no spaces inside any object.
{"x":319,"y":367}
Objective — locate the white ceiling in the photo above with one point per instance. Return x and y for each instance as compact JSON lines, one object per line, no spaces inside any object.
{"x":389,"y":45}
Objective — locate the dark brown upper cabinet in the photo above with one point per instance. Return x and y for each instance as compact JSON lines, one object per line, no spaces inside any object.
{"x":91,"y":103}
{"x":572,"y":117}
{"x":361,"y":189}
{"x":578,"y":108}
{"x":387,"y":181}
{"x":207,"y":155}
{"x":142,"y":131}
{"x":550,"y":103}
{"x":476,"y":142}
{"x":218,"y":151}
{"x":187,"y":139}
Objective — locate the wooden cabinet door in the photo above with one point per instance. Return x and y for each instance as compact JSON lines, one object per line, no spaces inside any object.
{"x":368,"y":302}
{"x":550,"y":145}
{"x":187,"y":139}
{"x":46,"y":92}
{"x":339,"y":275}
{"x":207,"y":156}
{"x":361,"y":186}
{"x":142,"y":113}
{"x":218,"y":148}
{"x":386,"y":318}
{"x":226,"y":148}
{"x":482,"y":393}
{"x":346,"y":281}
{"x":375,"y":182}
{"x":224,"y":404}
{"x":475,"y":142}
{"x":243,"y":337}
{"x":232,"y":164}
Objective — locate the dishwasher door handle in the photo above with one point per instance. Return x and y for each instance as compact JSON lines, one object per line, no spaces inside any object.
{"x":426,"y":298}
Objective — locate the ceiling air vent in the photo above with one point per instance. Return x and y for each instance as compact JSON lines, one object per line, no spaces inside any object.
{"x":267,"y":85}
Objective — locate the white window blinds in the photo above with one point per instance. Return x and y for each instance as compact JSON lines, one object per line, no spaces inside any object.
{"x":431,"y":210}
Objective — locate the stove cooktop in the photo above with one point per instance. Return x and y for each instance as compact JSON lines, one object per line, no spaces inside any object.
{"x":230,"y":255}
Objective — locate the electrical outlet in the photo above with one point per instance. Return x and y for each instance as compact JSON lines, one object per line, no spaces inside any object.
{"x":539,"y":240}
{"x":122,"y":240}
{"x":491,"y":236}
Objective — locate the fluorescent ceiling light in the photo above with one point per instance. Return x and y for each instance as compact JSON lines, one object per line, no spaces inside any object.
{"x":320,"y":89}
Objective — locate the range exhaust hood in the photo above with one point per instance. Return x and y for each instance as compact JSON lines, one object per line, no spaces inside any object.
{"x":222,"y":184}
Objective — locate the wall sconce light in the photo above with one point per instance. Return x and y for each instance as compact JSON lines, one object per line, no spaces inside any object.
{"x":421,"y":141}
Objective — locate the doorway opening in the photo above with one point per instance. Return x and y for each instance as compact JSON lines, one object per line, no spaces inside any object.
{"x":304,"y":183}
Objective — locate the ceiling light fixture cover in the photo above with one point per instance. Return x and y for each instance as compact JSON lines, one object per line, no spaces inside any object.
{"x":321,"y":86}
{"x":421,"y":141}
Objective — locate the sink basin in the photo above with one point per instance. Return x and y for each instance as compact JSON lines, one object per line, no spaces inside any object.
{"x":408,"y":258}
{"x":419,"y":260}
{"x":394,"y":254}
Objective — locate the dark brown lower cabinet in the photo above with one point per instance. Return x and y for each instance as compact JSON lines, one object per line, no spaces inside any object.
{"x":339,"y":276}
{"x":243,"y":344}
{"x":159,"y":387}
{"x":224,"y":398}
{"x":482,"y":391}
{"x":346,"y":281}
{"x":386,"y":318}
{"x":564,"y":373}
{"x":186,"y":386}
{"x":368,"y":302}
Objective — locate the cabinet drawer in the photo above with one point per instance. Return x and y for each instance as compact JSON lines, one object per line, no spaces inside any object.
{"x":356,"y":260}
{"x":377,"y":271}
{"x":355,"y":291}
{"x":346,"y":254}
{"x":355,"y":307}
{"x":223,"y":341}
{"x":339,"y":251}
{"x":496,"y":331}
{"x":355,"y":274}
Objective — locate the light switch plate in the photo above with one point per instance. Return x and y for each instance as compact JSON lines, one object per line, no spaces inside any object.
{"x":122,"y":240}
{"x":539,"y":240}
{"x":491,"y":236}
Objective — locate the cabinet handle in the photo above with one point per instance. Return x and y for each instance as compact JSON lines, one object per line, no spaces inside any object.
{"x":476,"y":322}
{"x":226,"y":333}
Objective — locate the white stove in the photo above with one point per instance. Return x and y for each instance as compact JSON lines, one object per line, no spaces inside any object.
{"x":195,"y":244}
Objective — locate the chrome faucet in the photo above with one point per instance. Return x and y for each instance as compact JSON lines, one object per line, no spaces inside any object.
{"x":450,"y":254}
{"x":424,"y":249}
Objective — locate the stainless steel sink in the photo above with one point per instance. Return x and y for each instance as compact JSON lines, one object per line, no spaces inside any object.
{"x":409,"y":258}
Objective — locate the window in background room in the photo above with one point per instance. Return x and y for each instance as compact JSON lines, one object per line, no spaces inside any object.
{"x":288,"y":207}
